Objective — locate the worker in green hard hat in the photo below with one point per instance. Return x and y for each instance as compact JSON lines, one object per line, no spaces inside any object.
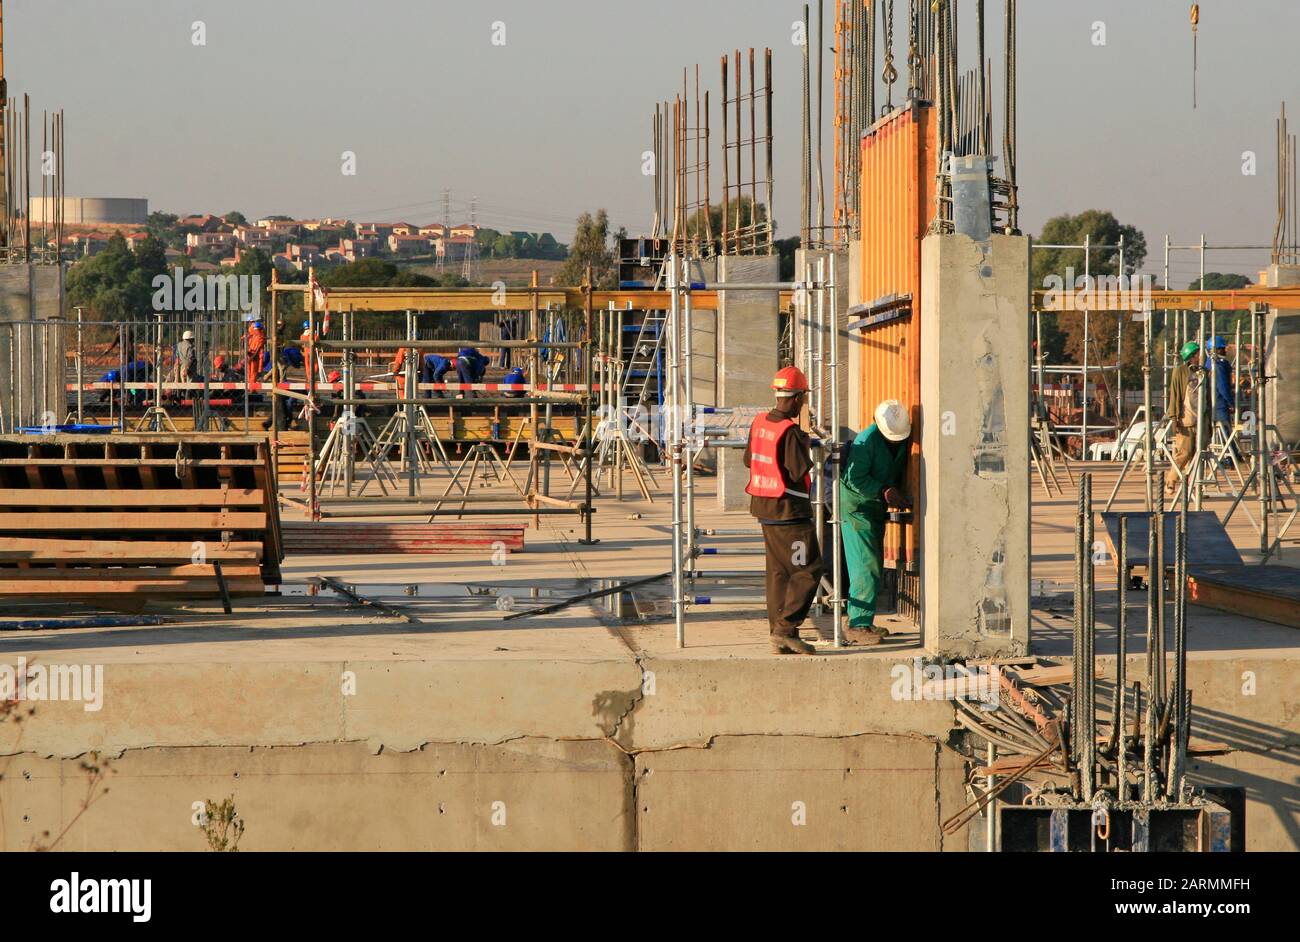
{"x":1183,"y":425}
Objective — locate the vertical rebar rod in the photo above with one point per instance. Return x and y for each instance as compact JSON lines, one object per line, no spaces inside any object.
{"x":1198,"y":476}
{"x":1148,"y":437}
{"x":1263,"y":466}
{"x":821,"y":184}
{"x":1178,"y":752}
{"x":837,"y":574}
{"x":1088,"y":765}
{"x":689,"y":410}
{"x":806,"y":184}
{"x":726,"y":173}
{"x":767,"y":126}
{"x":1120,"y":709}
{"x":990,"y":812}
{"x":1076,"y":650}
{"x":675,"y":446}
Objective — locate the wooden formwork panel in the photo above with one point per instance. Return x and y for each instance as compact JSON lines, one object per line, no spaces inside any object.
{"x":897,"y":204}
{"x":136,"y":513}
{"x":310,"y":539}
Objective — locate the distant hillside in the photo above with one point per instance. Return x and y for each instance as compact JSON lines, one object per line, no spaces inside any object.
{"x":515,"y":272}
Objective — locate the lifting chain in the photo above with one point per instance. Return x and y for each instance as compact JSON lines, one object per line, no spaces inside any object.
{"x":913,"y":53}
{"x":889,"y":74}
{"x":183,"y":462}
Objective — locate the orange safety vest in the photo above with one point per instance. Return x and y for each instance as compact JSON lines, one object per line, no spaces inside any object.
{"x":765,"y":478}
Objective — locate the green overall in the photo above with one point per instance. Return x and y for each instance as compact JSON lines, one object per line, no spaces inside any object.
{"x":874,"y":465}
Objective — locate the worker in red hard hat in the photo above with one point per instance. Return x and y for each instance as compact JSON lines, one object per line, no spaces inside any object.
{"x":780,"y":476}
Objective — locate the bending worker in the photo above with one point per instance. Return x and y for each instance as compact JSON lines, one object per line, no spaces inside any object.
{"x":432,"y":370}
{"x":1184,"y":441}
{"x":515,"y":377}
{"x":868,"y":488}
{"x":470,"y":368}
{"x":779,"y":480}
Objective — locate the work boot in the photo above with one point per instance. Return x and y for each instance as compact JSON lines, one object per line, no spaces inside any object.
{"x":791,"y":644}
{"x":865,"y":636}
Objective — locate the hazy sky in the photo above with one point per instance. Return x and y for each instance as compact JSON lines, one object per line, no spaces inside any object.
{"x":555,"y":121}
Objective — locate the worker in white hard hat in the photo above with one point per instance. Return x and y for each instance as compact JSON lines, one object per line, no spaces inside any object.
{"x":186,"y":362}
{"x":869,"y":483}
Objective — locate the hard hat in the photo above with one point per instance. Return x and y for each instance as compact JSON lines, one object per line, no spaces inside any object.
{"x":1220,"y":343}
{"x":790,"y":381}
{"x":334,"y":376}
{"x":188,"y":335}
{"x":893,"y":421}
{"x":1189,"y":350}
{"x":218,"y":361}
{"x":257,"y":325}
{"x":306,"y":324}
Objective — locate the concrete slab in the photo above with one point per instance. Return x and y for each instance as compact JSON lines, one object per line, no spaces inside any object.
{"x":307,"y":710}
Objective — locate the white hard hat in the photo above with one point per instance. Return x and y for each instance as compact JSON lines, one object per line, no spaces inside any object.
{"x":893,"y":421}
{"x":188,"y":335}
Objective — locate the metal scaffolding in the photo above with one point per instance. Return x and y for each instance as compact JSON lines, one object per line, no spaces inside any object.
{"x":689,"y":432}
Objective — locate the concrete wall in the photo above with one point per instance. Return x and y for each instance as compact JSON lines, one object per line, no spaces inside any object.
{"x":747,"y":342}
{"x":529,"y":753}
{"x":721,"y":753}
{"x":32,"y":355}
{"x":975,"y":445}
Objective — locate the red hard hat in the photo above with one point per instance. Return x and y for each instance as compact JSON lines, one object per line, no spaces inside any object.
{"x":334,"y":376}
{"x":219,"y":361}
{"x":790,"y":381}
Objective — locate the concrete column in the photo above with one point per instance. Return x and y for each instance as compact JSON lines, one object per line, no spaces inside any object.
{"x":974,"y":497}
{"x":32,"y":293}
{"x":746,"y":341}
{"x":1281,"y":355}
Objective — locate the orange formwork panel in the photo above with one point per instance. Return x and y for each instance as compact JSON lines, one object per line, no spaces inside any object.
{"x":897,"y":204}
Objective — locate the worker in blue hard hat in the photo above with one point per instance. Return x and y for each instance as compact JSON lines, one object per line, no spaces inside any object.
{"x":515,"y":377}
{"x":1175,"y":411}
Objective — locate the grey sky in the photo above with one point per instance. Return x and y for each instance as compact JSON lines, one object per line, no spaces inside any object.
{"x":555,"y":121}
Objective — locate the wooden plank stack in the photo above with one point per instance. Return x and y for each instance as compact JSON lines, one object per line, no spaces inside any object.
{"x":136,"y":514}
{"x":312,"y":539}
{"x":290,"y":461}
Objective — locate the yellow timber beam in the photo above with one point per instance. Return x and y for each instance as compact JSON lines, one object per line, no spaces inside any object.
{"x":1224,"y":299}
{"x":509,"y":299}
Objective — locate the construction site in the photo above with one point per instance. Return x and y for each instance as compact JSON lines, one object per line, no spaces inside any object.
{"x":368,"y":599}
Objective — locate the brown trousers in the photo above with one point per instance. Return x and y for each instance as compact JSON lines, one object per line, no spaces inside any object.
{"x":794,"y":569}
{"x":1184,"y":445}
